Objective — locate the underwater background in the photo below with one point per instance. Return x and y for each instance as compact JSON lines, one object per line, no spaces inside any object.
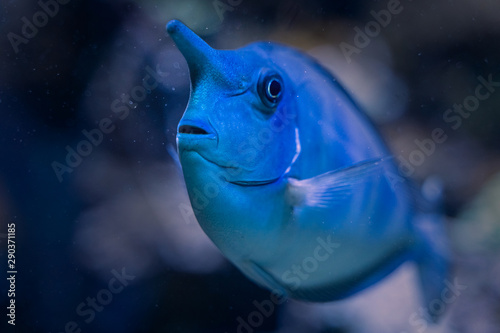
{"x":105,"y":240}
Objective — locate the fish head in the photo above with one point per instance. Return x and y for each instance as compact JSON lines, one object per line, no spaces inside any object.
{"x":240,"y":116}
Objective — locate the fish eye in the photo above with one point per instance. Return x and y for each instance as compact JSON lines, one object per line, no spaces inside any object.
{"x":270,"y":88}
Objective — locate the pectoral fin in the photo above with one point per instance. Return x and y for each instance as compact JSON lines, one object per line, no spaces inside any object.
{"x":172,"y":151}
{"x":262,"y":278}
{"x":323,"y":190}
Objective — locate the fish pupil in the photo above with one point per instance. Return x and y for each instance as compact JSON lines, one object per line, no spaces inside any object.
{"x":274,"y":88}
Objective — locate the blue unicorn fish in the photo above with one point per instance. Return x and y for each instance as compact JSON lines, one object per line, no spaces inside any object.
{"x":290,"y":179}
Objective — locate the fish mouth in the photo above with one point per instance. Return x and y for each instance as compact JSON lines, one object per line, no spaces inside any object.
{"x":191,"y":129}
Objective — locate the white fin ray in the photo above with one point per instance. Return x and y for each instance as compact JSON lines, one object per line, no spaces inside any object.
{"x":323,"y":190}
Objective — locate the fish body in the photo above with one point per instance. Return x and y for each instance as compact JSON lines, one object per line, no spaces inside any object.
{"x":290,"y":179}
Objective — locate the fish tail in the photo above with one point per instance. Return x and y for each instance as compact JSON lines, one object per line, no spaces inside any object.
{"x":432,"y":250}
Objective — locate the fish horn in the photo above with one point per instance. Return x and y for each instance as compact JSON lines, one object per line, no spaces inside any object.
{"x":197,"y":53}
